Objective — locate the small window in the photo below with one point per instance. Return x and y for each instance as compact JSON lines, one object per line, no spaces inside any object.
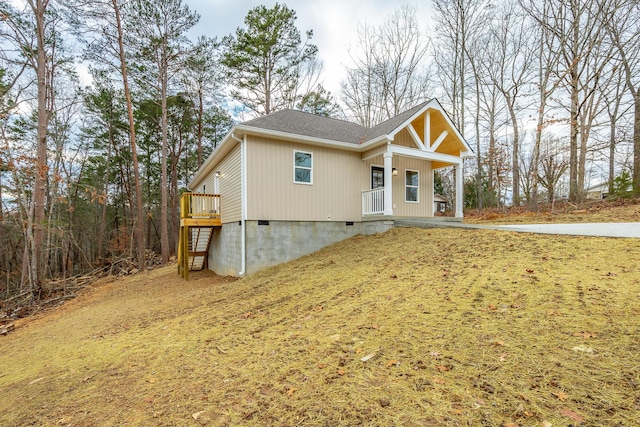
{"x":302,"y":167}
{"x":412,"y":181}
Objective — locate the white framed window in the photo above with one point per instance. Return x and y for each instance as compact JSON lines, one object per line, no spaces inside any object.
{"x":411,"y":185}
{"x":302,"y":167}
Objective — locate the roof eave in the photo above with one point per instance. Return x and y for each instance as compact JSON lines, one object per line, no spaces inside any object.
{"x":211,"y":161}
{"x":287,"y":136}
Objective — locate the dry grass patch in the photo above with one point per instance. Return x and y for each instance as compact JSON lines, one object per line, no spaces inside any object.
{"x":410,"y":327}
{"x":621,"y":210}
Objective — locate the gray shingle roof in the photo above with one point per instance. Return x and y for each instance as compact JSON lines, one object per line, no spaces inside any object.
{"x":306,"y":124}
{"x":390,"y":125}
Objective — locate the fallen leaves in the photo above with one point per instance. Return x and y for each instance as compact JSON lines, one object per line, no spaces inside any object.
{"x":438,"y":380}
{"x":290,"y":390}
{"x":566,"y":412}
{"x":443,"y":368}
{"x":561,"y":396}
{"x":585,"y":335}
{"x":391,"y":363}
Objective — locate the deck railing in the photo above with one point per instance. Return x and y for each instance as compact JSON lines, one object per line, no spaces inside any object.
{"x":373,"y":201}
{"x":196,"y":205}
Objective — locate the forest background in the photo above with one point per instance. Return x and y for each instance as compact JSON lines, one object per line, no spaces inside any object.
{"x":546,"y":92}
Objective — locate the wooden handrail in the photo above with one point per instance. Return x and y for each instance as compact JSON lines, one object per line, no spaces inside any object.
{"x":198,"y":205}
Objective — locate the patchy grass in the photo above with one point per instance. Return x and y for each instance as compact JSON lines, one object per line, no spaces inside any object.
{"x":410,"y":327}
{"x":620,"y":210}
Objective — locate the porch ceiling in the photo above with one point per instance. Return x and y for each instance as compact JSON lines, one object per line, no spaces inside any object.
{"x":451,"y":144}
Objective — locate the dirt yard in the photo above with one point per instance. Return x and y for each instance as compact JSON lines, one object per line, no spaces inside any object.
{"x":410,"y":327}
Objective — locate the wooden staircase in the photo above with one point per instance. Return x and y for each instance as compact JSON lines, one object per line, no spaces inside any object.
{"x":199,"y":215}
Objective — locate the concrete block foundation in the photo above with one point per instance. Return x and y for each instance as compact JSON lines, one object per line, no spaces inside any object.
{"x":270,"y":243}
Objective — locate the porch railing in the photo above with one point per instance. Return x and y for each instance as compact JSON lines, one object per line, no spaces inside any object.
{"x":196,"y":205}
{"x":373,"y":201}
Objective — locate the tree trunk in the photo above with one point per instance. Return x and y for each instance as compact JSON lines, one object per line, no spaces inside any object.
{"x":200,"y":119}
{"x":636,"y":143}
{"x":138,"y":222}
{"x":612,"y":154}
{"x":574,"y":192}
{"x":516,"y":152}
{"x":39,"y":197}
{"x":164,"y":232}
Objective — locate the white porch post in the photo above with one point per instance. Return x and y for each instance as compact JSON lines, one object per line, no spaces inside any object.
{"x":388,"y":183}
{"x":432,"y":190}
{"x":459,"y":189}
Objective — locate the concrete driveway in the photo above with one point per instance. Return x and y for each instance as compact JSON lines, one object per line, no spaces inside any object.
{"x":603,"y":229}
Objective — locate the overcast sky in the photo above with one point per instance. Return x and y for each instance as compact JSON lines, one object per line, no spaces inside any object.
{"x":334,"y":24}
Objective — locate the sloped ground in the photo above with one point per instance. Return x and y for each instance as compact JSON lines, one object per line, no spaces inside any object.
{"x":410,"y":327}
{"x":620,"y":210}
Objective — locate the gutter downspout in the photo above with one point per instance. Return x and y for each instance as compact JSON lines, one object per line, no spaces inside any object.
{"x":243,"y":191}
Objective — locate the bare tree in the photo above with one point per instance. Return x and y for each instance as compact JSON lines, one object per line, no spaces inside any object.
{"x":624,"y":31}
{"x":512,"y":52}
{"x":462,"y":26}
{"x":28,"y":31}
{"x":389,"y":73}
{"x":554,"y":165}
{"x":576,"y":30}
{"x":458,"y":23}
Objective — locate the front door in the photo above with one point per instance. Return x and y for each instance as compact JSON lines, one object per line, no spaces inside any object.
{"x":377,"y":177}
{"x":377,"y":197}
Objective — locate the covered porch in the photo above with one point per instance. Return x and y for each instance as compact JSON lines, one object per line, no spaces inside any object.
{"x":402,"y":170}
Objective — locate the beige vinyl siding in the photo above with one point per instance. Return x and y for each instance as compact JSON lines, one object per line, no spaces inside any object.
{"x":339,"y":177}
{"x":206,"y":186}
{"x":230,"y":183}
{"x":230,"y":186}
{"x":404,"y":138}
{"x":425,"y":193}
{"x":374,"y":152}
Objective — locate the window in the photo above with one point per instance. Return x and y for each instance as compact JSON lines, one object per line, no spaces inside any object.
{"x":411,"y":186}
{"x":302,"y":167}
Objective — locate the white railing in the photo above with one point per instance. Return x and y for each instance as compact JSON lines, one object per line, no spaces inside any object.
{"x":373,"y":201}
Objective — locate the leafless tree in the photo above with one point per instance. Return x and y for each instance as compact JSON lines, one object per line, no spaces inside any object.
{"x":554,"y":166}
{"x":624,"y":32}
{"x":389,"y":73}
{"x":458,"y":22}
{"x":513,"y":54}
{"x":576,"y":30}
{"x":29,"y":32}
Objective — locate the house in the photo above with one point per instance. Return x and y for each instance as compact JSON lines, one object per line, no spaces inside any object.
{"x":598,"y":192}
{"x":439,"y":204}
{"x":287,"y":184}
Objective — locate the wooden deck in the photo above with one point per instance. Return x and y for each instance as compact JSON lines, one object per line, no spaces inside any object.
{"x":199,"y":214}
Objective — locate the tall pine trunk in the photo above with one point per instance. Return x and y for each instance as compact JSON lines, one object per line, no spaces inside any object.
{"x":138,"y":220}
{"x":164,"y":220}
